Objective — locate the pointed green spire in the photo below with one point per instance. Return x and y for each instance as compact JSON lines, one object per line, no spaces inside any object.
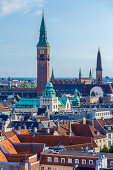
{"x":43,"y":34}
{"x":52,"y":75}
{"x":90,"y":74}
{"x":80,"y":73}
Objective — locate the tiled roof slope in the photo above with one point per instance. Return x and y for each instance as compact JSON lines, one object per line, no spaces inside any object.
{"x":29,"y":148}
{"x":17,"y":158}
{"x":22,"y":131}
{"x":9,"y":134}
{"x":7,"y":147}
{"x":14,"y":139}
{"x":86,"y":130}
{"x":51,"y":140}
{"x":3,"y":157}
{"x":63,"y":130}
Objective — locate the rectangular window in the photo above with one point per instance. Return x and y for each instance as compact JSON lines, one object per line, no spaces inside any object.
{"x":49,"y":159}
{"x":109,"y":144}
{"x":111,"y":163}
{"x":109,"y":136}
{"x":49,"y":168}
{"x":83,"y":161}
{"x":70,"y":161}
{"x":63,"y":160}
{"x":42,"y":168}
{"x":56,"y":160}
{"x":76,"y":161}
{"x":91,"y":162}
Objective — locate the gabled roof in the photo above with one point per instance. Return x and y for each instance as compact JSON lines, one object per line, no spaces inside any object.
{"x":62,"y":100}
{"x":86,"y":130}
{"x":63,"y":130}
{"x":51,"y":140}
{"x":31,"y":148}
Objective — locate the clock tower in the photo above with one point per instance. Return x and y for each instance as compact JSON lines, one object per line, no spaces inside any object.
{"x":99,"y":68}
{"x":43,"y":59}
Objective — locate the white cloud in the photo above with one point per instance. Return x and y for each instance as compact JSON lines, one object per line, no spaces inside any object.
{"x":24,"y":6}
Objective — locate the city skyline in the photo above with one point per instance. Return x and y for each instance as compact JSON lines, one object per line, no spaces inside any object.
{"x":74,"y":35}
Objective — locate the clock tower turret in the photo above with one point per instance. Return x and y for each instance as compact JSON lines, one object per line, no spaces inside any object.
{"x":43,"y":59}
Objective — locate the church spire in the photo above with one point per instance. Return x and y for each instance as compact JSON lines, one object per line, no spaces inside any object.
{"x":43,"y":33}
{"x":52,"y":75}
{"x":99,"y":62}
{"x":90,"y":74}
{"x":80,"y":74}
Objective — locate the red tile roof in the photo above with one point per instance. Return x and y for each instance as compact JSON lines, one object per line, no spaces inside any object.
{"x":42,"y":118}
{"x":9,"y":134}
{"x":3,"y":157}
{"x":28,"y":148}
{"x":8,"y":146}
{"x":86,"y":130}
{"x":51,"y":140}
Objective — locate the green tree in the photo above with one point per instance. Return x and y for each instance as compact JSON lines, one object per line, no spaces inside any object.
{"x":111,"y":149}
{"x":104,"y":149}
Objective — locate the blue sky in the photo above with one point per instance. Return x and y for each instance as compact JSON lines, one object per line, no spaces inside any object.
{"x":75,"y":29}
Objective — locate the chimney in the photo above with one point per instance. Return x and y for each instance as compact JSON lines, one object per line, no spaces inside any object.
{"x":25,"y":127}
{"x":70,"y":130}
{"x":57,"y":125}
{"x":64,"y":121}
{"x":35,"y":129}
{"x":92,"y":123}
{"x":48,"y":130}
{"x":84,"y":120}
{"x":39,"y":126}
{"x":19,"y":127}
{"x":49,"y":124}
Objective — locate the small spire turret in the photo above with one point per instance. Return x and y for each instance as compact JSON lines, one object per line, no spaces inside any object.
{"x":90,"y":74}
{"x":80,"y":74}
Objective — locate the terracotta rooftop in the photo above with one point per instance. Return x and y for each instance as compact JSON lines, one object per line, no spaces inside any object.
{"x":29,"y":148}
{"x":104,"y":122}
{"x":42,"y":118}
{"x":6,"y":144}
{"x":3,"y":157}
{"x":51,"y":140}
{"x":9,"y":134}
{"x":22,"y":131}
{"x":63,"y":130}
{"x":17,"y":158}
{"x":86,"y":130}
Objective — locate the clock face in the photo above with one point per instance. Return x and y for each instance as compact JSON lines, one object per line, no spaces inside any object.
{"x":41,"y":51}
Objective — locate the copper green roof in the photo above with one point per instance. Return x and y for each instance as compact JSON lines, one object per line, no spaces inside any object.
{"x":43,"y":34}
{"x":49,"y":91}
{"x":76,"y":99}
{"x":27,"y":103}
{"x":49,"y":85}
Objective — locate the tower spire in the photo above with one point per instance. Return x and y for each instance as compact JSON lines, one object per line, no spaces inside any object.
{"x":99,"y":68}
{"x":99,"y":62}
{"x":90,"y":73}
{"x":80,"y":73}
{"x":52,"y":75}
{"x":43,"y":33}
